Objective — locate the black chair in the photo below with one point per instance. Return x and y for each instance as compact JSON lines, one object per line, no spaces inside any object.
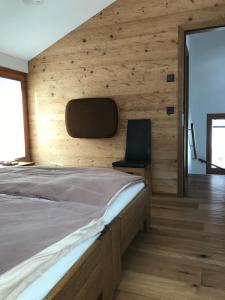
{"x":138,"y":141}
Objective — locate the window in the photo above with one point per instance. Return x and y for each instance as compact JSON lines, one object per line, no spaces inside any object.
{"x":216,"y":143}
{"x":14,"y":143}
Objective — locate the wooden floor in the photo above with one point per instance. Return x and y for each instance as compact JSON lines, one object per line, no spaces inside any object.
{"x":183,"y":255}
{"x":207,"y":186}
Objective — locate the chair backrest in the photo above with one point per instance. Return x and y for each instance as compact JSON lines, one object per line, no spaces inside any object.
{"x":138,"y":140}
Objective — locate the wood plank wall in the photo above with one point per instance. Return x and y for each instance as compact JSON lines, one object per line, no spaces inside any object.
{"x":125,"y":53}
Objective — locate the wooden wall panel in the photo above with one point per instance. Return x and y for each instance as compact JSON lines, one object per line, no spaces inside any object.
{"x":124,"y":52}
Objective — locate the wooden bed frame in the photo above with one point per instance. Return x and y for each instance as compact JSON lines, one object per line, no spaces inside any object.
{"x":97,"y":273}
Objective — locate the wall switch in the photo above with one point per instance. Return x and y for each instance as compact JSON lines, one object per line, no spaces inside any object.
{"x":170,"y":110}
{"x":170,"y":77}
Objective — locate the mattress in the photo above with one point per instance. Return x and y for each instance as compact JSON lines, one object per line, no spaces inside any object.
{"x":48,"y":278}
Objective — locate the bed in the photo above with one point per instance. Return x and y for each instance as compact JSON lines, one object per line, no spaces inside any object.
{"x":84,"y":263}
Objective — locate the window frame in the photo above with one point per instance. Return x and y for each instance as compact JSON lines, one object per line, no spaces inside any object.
{"x":22,"y":77}
{"x":210,"y":117}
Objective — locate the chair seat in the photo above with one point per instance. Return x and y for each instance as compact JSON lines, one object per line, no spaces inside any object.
{"x":129,"y":164}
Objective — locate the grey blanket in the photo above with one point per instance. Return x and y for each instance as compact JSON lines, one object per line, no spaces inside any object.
{"x":50,"y":204}
{"x":94,"y":186}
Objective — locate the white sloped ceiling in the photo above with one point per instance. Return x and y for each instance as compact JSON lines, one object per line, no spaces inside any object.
{"x":26,"y":29}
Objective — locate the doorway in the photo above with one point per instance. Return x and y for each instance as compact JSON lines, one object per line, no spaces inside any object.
{"x":201,"y":150}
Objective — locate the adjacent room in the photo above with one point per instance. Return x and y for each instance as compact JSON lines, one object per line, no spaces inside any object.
{"x":206,"y":113}
{"x":112,"y":150}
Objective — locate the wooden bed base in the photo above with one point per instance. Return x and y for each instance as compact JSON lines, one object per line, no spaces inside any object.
{"x":97,"y":274}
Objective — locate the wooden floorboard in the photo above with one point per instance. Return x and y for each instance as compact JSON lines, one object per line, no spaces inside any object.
{"x":210,"y":186}
{"x":183,"y":255}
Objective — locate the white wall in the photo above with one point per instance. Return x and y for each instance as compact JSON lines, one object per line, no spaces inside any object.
{"x":13,"y":63}
{"x":206,"y":86}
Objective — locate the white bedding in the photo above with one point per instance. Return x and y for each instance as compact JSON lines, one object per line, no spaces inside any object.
{"x":47,"y":279}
